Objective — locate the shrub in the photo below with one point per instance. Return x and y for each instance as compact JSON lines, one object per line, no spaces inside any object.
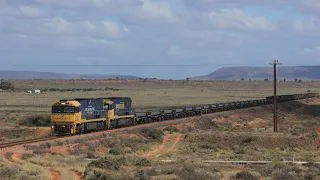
{"x":171,"y":129}
{"x":40,"y":150}
{"x":6,"y":85}
{"x":143,"y":162}
{"x":105,"y":163}
{"x":109,"y":142}
{"x":153,"y":133}
{"x":141,"y":175}
{"x":284,"y":175}
{"x":265,"y":170}
{"x":205,"y":123}
{"x":91,"y":155}
{"x":244,"y":175}
{"x":8,"y":155}
{"x":190,"y":172}
{"x":27,"y":155}
{"x":116,"y":150}
{"x":248,"y":139}
{"x":8,"y":172}
{"x":114,"y":163}
{"x":98,"y":174}
{"x":36,"y":120}
{"x":313,"y":134}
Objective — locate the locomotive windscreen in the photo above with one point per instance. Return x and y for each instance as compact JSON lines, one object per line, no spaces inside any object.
{"x":63,"y":109}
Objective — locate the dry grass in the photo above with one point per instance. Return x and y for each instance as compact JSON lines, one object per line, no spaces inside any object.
{"x":25,"y":172}
{"x":225,"y":136}
{"x":153,"y":94}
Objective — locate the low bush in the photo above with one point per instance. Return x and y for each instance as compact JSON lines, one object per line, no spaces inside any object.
{"x":284,"y":174}
{"x":109,"y":142}
{"x":313,"y":134}
{"x":6,"y":85}
{"x":248,"y":139}
{"x":171,"y":129}
{"x":264,"y":170}
{"x":8,"y":155}
{"x":135,"y":144}
{"x":153,"y":133}
{"x":191,"y":172}
{"x":77,"y":150}
{"x":244,"y":175}
{"x":116,"y":150}
{"x":40,"y":150}
{"x":142,"y":162}
{"x":91,"y":155}
{"x":205,"y":123}
{"x":26,"y":156}
{"x":9,"y":172}
{"x":36,"y":120}
{"x":100,"y":174}
{"x":114,"y":163}
{"x":142,"y":175}
{"x":105,"y":163}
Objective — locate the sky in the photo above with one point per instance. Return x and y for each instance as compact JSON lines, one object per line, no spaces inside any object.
{"x":168,"y":39}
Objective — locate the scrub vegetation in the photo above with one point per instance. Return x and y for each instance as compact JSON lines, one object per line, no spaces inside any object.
{"x":181,"y":149}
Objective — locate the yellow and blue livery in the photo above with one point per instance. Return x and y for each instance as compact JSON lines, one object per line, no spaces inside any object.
{"x":76,"y":116}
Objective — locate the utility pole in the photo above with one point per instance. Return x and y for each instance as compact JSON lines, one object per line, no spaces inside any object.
{"x":275,"y":122}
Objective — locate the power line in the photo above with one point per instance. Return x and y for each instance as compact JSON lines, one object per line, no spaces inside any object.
{"x":147,"y":65}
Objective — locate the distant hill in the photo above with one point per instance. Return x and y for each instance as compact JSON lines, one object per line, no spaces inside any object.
{"x":19,"y":75}
{"x":258,"y":73}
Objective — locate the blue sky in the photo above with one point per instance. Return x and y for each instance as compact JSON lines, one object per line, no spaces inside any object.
{"x":208,"y":33}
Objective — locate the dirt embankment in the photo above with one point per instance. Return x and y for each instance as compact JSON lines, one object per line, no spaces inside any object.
{"x":168,"y":144}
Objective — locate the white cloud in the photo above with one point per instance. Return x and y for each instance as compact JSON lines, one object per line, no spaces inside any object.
{"x":157,"y":11}
{"x":31,"y":11}
{"x":236,"y":18}
{"x":177,"y":51}
{"x":307,"y":51}
{"x":97,"y":41}
{"x":60,"y":26}
{"x":305,"y":26}
{"x":105,"y":28}
{"x":311,"y":4}
{"x":91,"y":3}
{"x":209,"y":5}
{"x":89,"y":26}
{"x":111,"y":29}
{"x":312,"y":51}
{"x":21,"y":35}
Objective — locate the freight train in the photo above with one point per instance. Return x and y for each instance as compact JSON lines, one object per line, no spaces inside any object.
{"x":82,"y":115}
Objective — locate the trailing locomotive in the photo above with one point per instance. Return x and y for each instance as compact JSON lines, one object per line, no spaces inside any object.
{"x":76,"y":116}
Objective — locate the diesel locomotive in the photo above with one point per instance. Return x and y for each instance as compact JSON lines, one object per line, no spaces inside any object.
{"x":77,"y":116}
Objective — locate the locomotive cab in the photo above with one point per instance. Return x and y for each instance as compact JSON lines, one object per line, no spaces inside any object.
{"x":64,"y":114}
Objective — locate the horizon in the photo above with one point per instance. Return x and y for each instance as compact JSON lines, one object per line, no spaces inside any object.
{"x":133,"y":75}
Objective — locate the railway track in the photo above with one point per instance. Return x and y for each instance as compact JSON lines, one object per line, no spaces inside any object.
{"x":23,"y":142}
{"x":230,"y":106}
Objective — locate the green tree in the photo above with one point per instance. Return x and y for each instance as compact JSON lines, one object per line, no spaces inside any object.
{"x":6,"y":85}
